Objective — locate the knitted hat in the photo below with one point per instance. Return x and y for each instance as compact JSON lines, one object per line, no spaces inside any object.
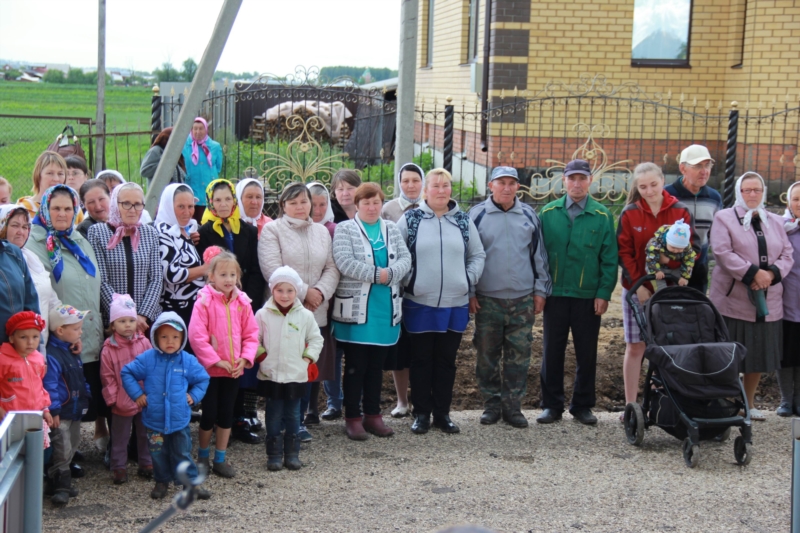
{"x":679,"y":234}
{"x":24,"y":320}
{"x":64,"y":315}
{"x":285,"y":274}
{"x":122,"y":305}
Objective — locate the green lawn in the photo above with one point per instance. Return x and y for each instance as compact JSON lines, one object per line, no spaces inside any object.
{"x":22,"y":140}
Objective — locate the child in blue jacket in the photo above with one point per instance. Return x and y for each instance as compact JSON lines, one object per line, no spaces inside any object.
{"x":173,"y":381}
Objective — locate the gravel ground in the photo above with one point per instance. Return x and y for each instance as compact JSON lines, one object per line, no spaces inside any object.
{"x":562,"y":477}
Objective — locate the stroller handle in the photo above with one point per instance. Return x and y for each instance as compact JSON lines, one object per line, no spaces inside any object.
{"x":644,"y":279}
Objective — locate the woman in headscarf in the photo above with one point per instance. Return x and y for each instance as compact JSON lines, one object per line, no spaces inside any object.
{"x":250,"y":194}
{"x":789,"y":373}
{"x":203,"y":158}
{"x":181,"y":266}
{"x":753,"y":255}
{"x":222,"y":226}
{"x":71,"y":264}
{"x":294,"y":240}
{"x":321,"y":206}
{"x":411,"y":179}
{"x":128,"y":256}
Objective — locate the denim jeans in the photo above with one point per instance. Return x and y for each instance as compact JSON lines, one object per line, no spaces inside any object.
{"x":282,"y":414}
{"x":168,"y":451}
{"x":333,"y":387}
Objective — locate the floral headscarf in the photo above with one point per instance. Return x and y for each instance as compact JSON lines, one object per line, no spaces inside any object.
{"x":55,"y":239}
{"x":201,"y":143}
{"x":166,"y":211}
{"x":790,"y":224}
{"x":211,"y":214}
{"x":115,"y":219}
{"x":240,"y":187}
{"x":762,"y":213}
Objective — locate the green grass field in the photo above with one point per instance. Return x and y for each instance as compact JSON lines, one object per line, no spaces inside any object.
{"x":23,"y":139}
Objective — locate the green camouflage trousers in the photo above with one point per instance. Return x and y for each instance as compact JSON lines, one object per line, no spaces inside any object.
{"x":503,"y":331}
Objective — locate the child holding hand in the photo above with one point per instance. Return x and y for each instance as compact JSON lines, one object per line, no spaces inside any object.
{"x":670,"y":248}
{"x":122,"y":347}
{"x":224,"y":337}
{"x":291,"y":337}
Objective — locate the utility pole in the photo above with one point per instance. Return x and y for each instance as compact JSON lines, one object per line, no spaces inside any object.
{"x":100,"y":126}
{"x":406,"y":85}
{"x":202,"y":79}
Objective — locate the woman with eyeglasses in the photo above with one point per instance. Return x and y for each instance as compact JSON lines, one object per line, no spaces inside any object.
{"x":128,"y":255}
{"x":753,"y":255}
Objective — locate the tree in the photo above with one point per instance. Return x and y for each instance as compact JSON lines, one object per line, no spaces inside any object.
{"x":167,"y":73}
{"x":54,"y":76}
{"x":12,"y":74}
{"x":76,"y":76}
{"x":189,"y":70}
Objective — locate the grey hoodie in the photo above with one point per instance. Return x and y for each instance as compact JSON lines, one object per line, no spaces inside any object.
{"x":442,"y":274}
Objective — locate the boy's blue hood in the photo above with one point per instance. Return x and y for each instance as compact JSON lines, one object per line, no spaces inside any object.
{"x":172,"y":318}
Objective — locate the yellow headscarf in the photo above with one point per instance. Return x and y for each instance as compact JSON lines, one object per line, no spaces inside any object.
{"x":211,"y":214}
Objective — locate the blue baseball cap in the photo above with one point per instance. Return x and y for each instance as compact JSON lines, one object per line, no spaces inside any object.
{"x":504,"y":172}
{"x":578,"y":166}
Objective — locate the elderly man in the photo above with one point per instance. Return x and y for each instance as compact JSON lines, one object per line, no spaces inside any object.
{"x":510,"y":292}
{"x":582,"y":249}
{"x":701,"y":200}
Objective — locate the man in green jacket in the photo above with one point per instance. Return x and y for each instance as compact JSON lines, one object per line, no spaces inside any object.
{"x":582,"y":251}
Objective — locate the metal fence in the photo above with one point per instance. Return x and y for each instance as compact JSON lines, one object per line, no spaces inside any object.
{"x":21,"y":472}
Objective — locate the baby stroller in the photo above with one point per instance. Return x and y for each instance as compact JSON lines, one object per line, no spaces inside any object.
{"x":692,"y":390}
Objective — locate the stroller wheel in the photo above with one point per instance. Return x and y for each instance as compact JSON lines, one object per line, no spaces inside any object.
{"x":725,"y":435}
{"x":634,"y":423}
{"x":742,"y":451}
{"x":691,"y":453}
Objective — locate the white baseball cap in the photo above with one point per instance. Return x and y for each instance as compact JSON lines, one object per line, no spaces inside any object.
{"x":695,"y":154}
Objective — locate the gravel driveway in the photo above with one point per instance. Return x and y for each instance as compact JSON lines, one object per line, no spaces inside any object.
{"x":562,"y":477}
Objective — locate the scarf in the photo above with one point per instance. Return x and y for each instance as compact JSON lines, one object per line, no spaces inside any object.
{"x":113,"y":173}
{"x":9,"y":210}
{"x":748,"y":216}
{"x":403,"y":198}
{"x":240,"y":187}
{"x":55,"y":239}
{"x":201,"y":143}
{"x":166,"y":212}
{"x":790,"y":221}
{"x":211,"y":214}
{"x":316,"y":186}
{"x":115,"y":219}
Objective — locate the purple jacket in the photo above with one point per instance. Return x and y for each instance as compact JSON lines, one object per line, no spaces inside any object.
{"x":791,"y":283}
{"x":736,"y":253}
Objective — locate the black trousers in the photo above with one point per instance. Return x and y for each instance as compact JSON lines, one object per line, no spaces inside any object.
{"x":699,"y":279}
{"x":363,"y":378}
{"x":562,"y":314}
{"x":433,"y":371}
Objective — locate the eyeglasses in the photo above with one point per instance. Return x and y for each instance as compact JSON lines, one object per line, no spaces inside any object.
{"x":701,"y":166}
{"x":752,"y":191}
{"x":127,"y":206}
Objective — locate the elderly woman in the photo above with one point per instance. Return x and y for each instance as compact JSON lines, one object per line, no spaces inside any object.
{"x":295,"y":240}
{"x":250,"y":194}
{"x":649,"y":207}
{"x":182,"y":269}
{"x":372,"y":259}
{"x":96,"y":198}
{"x":71,"y":264}
{"x":436,"y":305}
{"x":789,"y":373}
{"x":128,"y":256}
{"x":411,"y":179}
{"x":344,"y":185}
{"x":50,"y":169}
{"x":203,"y":158}
{"x":753,"y":255}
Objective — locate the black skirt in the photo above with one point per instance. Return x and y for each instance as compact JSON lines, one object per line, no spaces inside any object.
{"x":281,"y":391}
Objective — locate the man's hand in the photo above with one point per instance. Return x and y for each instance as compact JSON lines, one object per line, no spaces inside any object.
{"x":600,"y":306}
{"x":538,"y":304}
{"x":141,"y":401}
{"x":189,"y":399}
{"x":474,"y":306}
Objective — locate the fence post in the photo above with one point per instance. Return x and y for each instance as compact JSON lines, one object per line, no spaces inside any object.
{"x":448,"y":136}
{"x":728,"y":193}
{"x":34,"y":468}
{"x":155,"y":113}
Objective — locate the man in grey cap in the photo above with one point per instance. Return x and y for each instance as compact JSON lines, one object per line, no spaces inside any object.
{"x":510,"y":293}
{"x":702,"y":201}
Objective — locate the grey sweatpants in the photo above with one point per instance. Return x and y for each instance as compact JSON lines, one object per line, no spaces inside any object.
{"x":65,"y":440}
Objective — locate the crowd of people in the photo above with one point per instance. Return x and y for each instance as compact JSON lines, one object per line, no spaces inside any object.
{"x":133,"y":325}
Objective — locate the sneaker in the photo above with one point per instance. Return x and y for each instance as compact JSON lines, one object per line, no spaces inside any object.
{"x":223,"y":470}
{"x":784,"y":410}
{"x":755,"y":414}
{"x":159,"y":491}
{"x":304,"y":435}
{"x":120,"y":476}
{"x":332,"y":414}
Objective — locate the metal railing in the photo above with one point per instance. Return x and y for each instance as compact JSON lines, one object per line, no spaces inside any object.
{"x":21,"y":471}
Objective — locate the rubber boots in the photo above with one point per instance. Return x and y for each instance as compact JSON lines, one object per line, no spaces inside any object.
{"x":291,"y":452}
{"x":374,"y":424}
{"x":64,"y":489}
{"x":355,"y":429}
{"x":274,"y":453}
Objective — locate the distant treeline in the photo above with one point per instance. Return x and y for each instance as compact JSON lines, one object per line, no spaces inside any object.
{"x":357,"y":73}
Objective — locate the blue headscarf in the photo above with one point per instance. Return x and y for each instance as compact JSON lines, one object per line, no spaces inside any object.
{"x":56,"y":238}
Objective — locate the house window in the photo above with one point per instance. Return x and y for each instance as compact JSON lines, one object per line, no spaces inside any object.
{"x":661,"y":33}
{"x":472,"y":30}
{"x":429,"y":35}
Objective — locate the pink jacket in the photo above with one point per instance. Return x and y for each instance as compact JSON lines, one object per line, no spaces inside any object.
{"x":223,"y":331}
{"x":736,"y":253}
{"x":116,"y":353}
{"x":21,"y":387}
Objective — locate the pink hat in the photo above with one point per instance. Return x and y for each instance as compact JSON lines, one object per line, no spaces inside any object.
{"x":122,"y":305}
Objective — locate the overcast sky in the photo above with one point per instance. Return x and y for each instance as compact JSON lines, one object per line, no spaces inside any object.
{"x":269,"y":35}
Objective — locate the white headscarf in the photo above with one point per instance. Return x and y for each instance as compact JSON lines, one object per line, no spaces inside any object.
{"x":113,"y":173}
{"x":240,"y":187}
{"x":329,"y":212}
{"x":166,"y":211}
{"x":790,"y":224}
{"x":414,"y":168}
{"x":762,"y":213}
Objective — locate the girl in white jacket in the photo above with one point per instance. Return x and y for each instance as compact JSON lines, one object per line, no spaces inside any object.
{"x":292,"y":340}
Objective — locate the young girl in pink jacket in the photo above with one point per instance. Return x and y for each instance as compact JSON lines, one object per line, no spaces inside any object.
{"x":122,"y":347}
{"x":224,"y":337}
